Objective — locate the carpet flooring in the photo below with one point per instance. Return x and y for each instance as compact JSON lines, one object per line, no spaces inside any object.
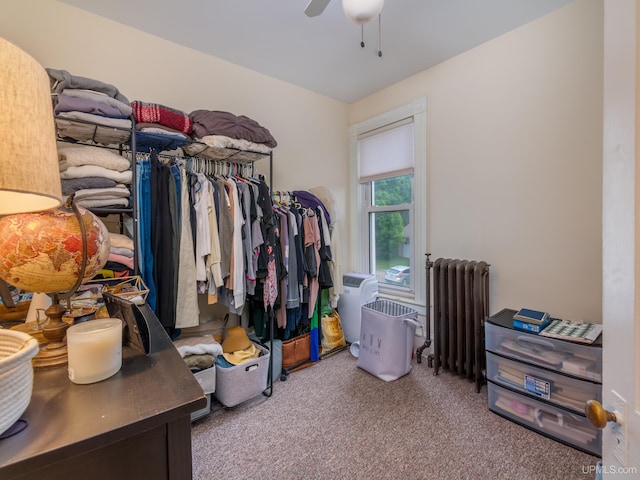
{"x":334,"y":420}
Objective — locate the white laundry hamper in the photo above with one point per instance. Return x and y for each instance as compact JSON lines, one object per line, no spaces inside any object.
{"x":386,"y":339}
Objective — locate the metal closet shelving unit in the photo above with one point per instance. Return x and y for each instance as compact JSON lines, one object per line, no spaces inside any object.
{"x":132,"y":142}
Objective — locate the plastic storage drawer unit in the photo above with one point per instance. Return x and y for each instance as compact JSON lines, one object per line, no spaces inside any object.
{"x":543,"y":383}
{"x":559,"y":389}
{"x":582,"y":361}
{"x":546,"y":419}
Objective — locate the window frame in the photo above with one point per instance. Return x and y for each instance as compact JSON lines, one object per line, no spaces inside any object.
{"x":360,"y":208}
{"x":369,"y":209}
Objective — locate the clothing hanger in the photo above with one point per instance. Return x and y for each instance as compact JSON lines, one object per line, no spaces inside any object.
{"x":294,"y":201}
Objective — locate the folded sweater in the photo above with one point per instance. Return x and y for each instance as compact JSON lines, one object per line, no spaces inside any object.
{"x":77,"y":155}
{"x":95,"y":171}
{"x":156,"y":113}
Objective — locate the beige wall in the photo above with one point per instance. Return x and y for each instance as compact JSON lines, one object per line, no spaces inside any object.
{"x":514,"y":127}
{"x":515,"y":159}
{"x":310,"y":128}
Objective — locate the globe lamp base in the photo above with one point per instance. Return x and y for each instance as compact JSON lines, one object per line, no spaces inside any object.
{"x":54,"y":352}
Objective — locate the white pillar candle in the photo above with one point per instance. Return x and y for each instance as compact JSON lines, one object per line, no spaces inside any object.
{"x":95,"y":350}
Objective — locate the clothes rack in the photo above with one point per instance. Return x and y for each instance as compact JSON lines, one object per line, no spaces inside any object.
{"x":218,"y":167}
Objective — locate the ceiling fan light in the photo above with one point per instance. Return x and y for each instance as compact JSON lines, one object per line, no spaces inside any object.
{"x":362,"y":11}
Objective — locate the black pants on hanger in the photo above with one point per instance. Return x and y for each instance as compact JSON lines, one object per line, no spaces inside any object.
{"x":162,"y":242}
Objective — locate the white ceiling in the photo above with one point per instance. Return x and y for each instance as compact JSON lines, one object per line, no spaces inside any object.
{"x":323,"y":54}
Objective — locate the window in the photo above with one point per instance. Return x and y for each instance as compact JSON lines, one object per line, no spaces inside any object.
{"x":388,"y":160}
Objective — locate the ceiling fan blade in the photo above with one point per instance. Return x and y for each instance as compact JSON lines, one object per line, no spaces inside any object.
{"x":315,"y":7}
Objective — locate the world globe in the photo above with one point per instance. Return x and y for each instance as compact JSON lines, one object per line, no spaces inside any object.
{"x":42,"y":251}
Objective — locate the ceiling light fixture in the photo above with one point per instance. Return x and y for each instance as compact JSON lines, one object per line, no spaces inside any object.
{"x":357,"y":11}
{"x":363,"y":11}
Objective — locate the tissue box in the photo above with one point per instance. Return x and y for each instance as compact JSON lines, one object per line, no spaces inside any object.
{"x":241,"y":382}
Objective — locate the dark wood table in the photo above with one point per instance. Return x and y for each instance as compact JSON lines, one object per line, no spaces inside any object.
{"x":133,"y":425}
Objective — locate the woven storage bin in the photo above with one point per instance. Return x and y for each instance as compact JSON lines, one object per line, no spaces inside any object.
{"x":16,"y":375}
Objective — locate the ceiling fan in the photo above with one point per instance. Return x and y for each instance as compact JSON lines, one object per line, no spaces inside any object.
{"x":358,"y":11}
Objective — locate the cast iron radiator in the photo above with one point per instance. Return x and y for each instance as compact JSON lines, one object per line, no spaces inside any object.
{"x":460,"y":306}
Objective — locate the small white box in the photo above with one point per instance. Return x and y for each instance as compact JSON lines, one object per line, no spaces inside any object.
{"x":207,"y":379}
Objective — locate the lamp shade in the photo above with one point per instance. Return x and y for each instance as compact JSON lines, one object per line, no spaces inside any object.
{"x":29,"y":178}
{"x":362,"y":11}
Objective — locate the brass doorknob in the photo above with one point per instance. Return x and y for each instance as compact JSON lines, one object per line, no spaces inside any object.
{"x":598,"y":415}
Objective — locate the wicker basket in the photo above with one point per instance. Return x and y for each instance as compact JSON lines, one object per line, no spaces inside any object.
{"x":16,"y":375}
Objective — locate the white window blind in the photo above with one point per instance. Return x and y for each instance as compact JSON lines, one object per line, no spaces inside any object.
{"x":386,"y":151}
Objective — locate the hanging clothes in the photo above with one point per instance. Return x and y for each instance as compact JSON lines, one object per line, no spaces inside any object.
{"x":221,"y":235}
{"x":236,"y":281}
{"x":212,"y":264}
{"x":145,"y":256}
{"x":202,"y":204}
{"x":187,"y":310}
{"x":163,"y":210}
{"x":312,"y":254}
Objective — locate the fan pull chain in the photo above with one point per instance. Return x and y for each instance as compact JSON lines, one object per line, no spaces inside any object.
{"x":379,"y":36}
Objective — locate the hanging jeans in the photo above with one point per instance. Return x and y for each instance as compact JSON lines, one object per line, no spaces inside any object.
{"x":145,"y":256}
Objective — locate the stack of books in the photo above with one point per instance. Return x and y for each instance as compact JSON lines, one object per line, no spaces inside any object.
{"x":529,"y":320}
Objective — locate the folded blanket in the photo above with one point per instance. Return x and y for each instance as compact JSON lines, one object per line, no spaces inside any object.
{"x":68,"y":103}
{"x":207,"y":122}
{"x":124,"y":108}
{"x":212,"y":349}
{"x":203,"y":344}
{"x":197,"y":362}
{"x":219,"y":147}
{"x":147,"y":141}
{"x":122,"y":123}
{"x":221,"y":141}
{"x":71,"y":185}
{"x":127,"y":261}
{"x":109,"y":202}
{"x":119,"y":240}
{"x":115,"y":270}
{"x":100,"y":193}
{"x":162,"y":132}
{"x":148,"y":126}
{"x":121,"y":251}
{"x":77,"y":155}
{"x":95,"y":171}
{"x":90,"y":132}
{"x":156,"y":113}
{"x":61,"y":79}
